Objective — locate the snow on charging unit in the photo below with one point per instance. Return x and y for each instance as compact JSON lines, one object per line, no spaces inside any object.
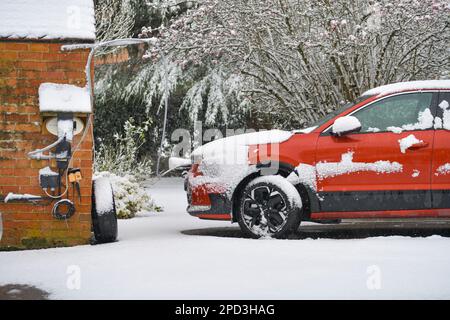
{"x":58,"y":104}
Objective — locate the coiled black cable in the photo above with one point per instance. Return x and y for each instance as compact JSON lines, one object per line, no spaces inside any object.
{"x":58,"y":207}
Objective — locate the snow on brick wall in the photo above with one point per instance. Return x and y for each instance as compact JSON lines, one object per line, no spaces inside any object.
{"x":47,"y":19}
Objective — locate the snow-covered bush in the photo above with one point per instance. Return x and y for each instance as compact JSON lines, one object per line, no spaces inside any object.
{"x":121,"y":157}
{"x":129,"y":195}
{"x":120,"y":163}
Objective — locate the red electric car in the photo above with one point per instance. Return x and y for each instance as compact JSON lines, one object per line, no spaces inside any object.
{"x":387,"y":155}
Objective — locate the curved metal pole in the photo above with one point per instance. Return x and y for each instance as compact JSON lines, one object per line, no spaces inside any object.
{"x":123,"y":42}
{"x":166,"y":108}
{"x":94,"y":47}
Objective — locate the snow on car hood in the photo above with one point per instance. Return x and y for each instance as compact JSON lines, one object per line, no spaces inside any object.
{"x":224,"y":162}
{"x":234,"y":148}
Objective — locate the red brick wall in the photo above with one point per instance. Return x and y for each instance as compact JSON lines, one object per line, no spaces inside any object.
{"x":23,"y":67}
{"x":118,"y":56}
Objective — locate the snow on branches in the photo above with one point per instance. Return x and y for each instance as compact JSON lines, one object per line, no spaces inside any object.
{"x":300,"y":59}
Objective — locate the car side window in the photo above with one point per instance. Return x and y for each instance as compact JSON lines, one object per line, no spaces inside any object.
{"x":443,"y":111}
{"x":399,"y":113}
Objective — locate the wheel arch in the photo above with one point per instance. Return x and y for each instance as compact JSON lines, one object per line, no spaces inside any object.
{"x":284,"y":169}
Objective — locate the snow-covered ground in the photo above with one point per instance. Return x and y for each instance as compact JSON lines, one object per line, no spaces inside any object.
{"x":174,"y":256}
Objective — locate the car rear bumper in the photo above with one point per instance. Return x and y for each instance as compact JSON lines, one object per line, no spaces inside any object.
{"x":205,"y":202}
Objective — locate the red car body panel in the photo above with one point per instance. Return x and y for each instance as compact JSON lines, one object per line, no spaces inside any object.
{"x":372,"y":147}
{"x":405,"y":189}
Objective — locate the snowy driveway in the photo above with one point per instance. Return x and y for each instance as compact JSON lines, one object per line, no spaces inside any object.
{"x":166,"y":256}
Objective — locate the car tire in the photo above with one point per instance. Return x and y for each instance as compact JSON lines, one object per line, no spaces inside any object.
{"x":104,"y":222}
{"x":270,"y":206}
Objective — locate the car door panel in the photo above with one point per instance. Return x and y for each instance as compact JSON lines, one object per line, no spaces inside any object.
{"x":381,"y":177}
{"x":440,"y":177}
{"x":375,"y":190}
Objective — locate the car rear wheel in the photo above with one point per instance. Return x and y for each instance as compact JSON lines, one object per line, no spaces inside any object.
{"x":270,"y":206}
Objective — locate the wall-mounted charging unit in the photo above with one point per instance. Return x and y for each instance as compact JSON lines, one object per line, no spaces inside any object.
{"x":65,"y":132}
{"x":63,"y":108}
{"x":51,"y":125}
{"x":49,"y":180}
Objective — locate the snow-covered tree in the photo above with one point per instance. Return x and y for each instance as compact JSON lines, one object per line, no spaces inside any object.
{"x":114,"y":19}
{"x":297,"y":59}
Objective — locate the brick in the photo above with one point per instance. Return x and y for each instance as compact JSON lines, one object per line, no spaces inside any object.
{"x":4,"y":145}
{"x":23,"y":181}
{"x":7,"y":181}
{"x":8,"y":136}
{"x":14,"y":46}
{"x":75,"y":82}
{"x":30,"y":189}
{"x":17,"y":118}
{"x":55,"y":66}
{"x":55,"y":75}
{"x":28,"y":109}
{"x":11,"y":82}
{"x":27,"y":171}
{"x":54,"y":57}
{"x":29,"y":127}
{"x":55,"y":47}
{"x":83,"y":155}
{"x":27,"y":74}
{"x":33,"y":65}
{"x":7,"y":163}
{"x":38,"y":164}
{"x":26,"y":216}
{"x":86,"y":163}
{"x":86,"y":225}
{"x":24,"y":146}
{"x":76,"y":75}
{"x":25,"y":91}
{"x":8,"y":108}
{"x":22,"y":163}
{"x":8,"y":55}
{"x":65,"y":233}
{"x":84,"y":217}
{"x":39,"y":47}
{"x":77,"y":65}
{"x":79,"y":241}
{"x":28,"y":101}
{"x":15,"y":154}
{"x":30,"y":56}
{"x":7,"y":127}
{"x":34,"y":118}
{"x":6,"y":171}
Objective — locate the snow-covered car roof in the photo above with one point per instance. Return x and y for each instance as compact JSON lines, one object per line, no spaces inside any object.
{"x":47,"y":20}
{"x":406,"y":86}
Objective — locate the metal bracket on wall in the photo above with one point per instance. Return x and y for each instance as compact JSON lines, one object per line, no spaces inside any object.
{"x":24,"y":198}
